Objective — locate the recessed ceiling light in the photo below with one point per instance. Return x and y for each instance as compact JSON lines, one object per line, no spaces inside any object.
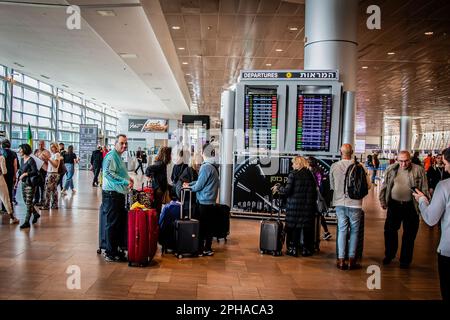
{"x":428,"y":80}
{"x":176,"y":27}
{"x":46,"y":77}
{"x":431,"y":89}
{"x":391,"y":53}
{"x":93,"y":99}
{"x":268,"y":64}
{"x":19,"y":65}
{"x":429,"y":33}
{"x":188,"y":74}
{"x":365,"y":67}
{"x":157,"y":88}
{"x":65,"y":86}
{"x":181,"y":48}
{"x":106,"y":13}
{"x":293,"y":28}
{"x":128,"y":55}
{"x":279,"y":50}
{"x":185,"y":63}
{"x":81,"y":92}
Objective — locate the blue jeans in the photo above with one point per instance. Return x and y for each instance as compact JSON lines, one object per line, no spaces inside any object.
{"x":348,"y":217}
{"x":69,"y":176}
{"x":374,"y":175}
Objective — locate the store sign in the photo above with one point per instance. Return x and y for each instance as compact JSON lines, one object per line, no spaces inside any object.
{"x":88,"y":142}
{"x":148,"y":125}
{"x":290,"y":75}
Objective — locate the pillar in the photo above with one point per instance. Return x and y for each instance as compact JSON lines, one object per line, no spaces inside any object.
{"x":405,"y":133}
{"x":330,"y":43}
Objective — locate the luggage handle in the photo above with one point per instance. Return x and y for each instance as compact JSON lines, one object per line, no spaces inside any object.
{"x":183,"y":196}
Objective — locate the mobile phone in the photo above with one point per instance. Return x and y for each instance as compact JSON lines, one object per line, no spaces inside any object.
{"x":413,"y":189}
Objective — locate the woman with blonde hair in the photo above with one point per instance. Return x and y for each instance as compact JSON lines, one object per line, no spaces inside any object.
{"x":51,"y":182}
{"x":301,"y":194}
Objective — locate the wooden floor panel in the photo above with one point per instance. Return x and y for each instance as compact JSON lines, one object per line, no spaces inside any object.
{"x":33,"y":263}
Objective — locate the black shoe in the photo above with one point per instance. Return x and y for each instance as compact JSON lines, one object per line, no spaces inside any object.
{"x":25,"y":225}
{"x":36,"y":217}
{"x":404,"y":265}
{"x":387,"y":260}
{"x":292,"y":252}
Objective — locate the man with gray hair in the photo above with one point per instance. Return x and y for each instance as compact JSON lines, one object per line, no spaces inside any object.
{"x":396,"y":196}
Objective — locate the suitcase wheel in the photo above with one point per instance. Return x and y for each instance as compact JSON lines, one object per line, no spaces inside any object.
{"x":180,"y":256}
{"x":262,"y":251}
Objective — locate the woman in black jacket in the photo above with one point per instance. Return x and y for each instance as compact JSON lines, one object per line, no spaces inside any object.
{"x":301,"y":194}
{"x":158,"y":174}
{"x":27,"y":171}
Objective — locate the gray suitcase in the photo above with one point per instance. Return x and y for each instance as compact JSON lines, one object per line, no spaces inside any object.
{"x":186,"y":230}
{"x":272,"y":236}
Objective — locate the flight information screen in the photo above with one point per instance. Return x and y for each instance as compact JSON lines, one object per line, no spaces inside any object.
{"x":313,"y":122}
{"x":261,"y":119}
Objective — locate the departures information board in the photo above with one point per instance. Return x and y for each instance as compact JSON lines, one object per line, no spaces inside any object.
{"x":313,"y":122}
{"x":261,"y":119}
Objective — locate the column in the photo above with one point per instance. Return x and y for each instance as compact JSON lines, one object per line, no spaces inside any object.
{"x":405,"y":133}
{"x":226,"y":147}
{"x":330,"y":43}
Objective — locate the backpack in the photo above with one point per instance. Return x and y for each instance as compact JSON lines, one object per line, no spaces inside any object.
{"x":356,"y":186}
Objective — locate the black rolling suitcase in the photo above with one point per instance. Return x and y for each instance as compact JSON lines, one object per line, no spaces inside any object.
{"x":360,"y":246}
{"x":221,"y":227}
{"x":186,"y":231}
{"x":271,"y":236}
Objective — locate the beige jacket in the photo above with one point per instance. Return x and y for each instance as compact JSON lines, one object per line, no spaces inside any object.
{"x":417,"y":178}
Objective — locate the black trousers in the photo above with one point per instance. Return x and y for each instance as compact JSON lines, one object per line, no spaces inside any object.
{"x":139,"y":166}
{"x":113,"y":205}
{"x":39,"y":196}
{"x":300,"y":237}
{"x":444,"y":276}
{"x":397,"y":214}
{"x":206,"y":224}
{"x":96,"y":173}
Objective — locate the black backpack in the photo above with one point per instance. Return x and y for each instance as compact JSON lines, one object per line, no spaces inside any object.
{"x":356,"y":186}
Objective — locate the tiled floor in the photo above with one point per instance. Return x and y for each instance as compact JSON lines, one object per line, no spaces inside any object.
{"x":33,"y":263}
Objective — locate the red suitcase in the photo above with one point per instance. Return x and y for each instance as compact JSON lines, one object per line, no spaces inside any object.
{"x":142,"y":236}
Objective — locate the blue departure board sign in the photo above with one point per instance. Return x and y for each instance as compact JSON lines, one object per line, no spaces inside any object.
{"x":261,"y":120}
{"x":313,"y":122}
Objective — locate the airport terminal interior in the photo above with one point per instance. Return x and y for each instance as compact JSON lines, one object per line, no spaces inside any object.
{"x":265,"y":85}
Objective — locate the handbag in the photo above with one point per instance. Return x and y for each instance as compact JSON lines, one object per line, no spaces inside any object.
{"x":166,"y":198}
{"x":62,"y":170}
{"x":321,"y":204}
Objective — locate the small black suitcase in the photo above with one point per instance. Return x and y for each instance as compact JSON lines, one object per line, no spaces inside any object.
{"x":360,"y":245}
{"x":272,"y":236}
{"x":186,"y":231}
{"x":221,"y":222}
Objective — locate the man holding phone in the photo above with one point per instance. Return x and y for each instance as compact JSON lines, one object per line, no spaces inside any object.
{"x":401,"y":180}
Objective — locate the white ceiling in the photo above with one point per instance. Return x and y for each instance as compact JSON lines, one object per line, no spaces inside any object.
{"x":88,"y":61}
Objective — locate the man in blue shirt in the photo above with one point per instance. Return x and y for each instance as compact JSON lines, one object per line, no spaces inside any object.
{"x":206,"y":189}
{"x":116,"y":183}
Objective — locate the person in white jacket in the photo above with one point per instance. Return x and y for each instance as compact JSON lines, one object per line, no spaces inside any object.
{"x":433,"y":212}
{"x":4,"y":194}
